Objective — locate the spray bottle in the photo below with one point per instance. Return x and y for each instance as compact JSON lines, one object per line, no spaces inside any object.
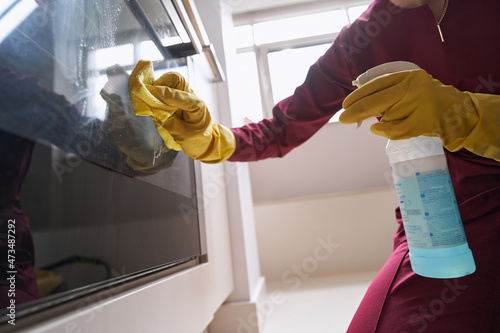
{"x":437,"y":244}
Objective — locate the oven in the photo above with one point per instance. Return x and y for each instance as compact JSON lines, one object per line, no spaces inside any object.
{"x":91,"y":199}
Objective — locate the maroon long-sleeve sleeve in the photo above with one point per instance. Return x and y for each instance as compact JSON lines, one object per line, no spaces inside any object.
{"x":296,"y":118}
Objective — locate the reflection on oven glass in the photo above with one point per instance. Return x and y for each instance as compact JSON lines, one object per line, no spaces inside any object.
{"x":88,"y":190}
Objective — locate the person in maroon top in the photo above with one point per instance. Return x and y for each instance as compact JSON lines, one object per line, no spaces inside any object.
{"x":398,"y":300}
{"x":456,"y":42}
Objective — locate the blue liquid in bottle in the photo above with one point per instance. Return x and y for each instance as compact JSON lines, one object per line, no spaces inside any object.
{"x":437,"y":244}
{"x":433,"y":226}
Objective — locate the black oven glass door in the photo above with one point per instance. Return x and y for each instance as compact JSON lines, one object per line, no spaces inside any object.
{"x":89,"y":193}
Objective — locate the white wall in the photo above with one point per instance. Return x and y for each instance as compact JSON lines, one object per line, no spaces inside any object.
{"x":326,"y":235}
{"x":337,"y":184}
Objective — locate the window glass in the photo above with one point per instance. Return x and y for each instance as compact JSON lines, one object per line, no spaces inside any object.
{"x":300,"y":27}
{"x":287,"y":72}
{"x":243,"y":36}
{"x":97,"y":106}
{"x":246,"y":95}
{"x":121,"y":54}
{"x":5,"y":4}
{"x":104,"y":201}
{"x":355,"y":12}
{"x":14,"y":16}
{"x":284,"y":50}
{"x":148,"y":50}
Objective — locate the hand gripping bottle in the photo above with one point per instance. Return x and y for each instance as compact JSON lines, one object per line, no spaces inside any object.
{"x":436,"y":240}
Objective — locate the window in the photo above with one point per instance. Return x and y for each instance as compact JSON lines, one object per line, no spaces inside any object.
{"x":246,"y":95}
{"x":274,"y":54}
{"x":283,"y":80}
{"x":299,"y":26}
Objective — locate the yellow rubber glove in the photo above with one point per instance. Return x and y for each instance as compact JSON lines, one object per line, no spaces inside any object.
{"x":412,"y":103}
{"x":182,"y":119}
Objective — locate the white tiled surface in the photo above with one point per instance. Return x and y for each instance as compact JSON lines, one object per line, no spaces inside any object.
{"x":314,"y":305}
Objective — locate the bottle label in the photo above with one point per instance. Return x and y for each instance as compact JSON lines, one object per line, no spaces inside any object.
{"x":429,"y":209}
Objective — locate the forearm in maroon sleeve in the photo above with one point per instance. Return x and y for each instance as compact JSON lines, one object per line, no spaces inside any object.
{"x":298,"y":117}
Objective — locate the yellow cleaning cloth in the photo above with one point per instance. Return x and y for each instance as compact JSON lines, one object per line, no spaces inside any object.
{"x":146,"y":104}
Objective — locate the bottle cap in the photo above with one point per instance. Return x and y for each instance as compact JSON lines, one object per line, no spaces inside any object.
{"x":384,"y":69}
